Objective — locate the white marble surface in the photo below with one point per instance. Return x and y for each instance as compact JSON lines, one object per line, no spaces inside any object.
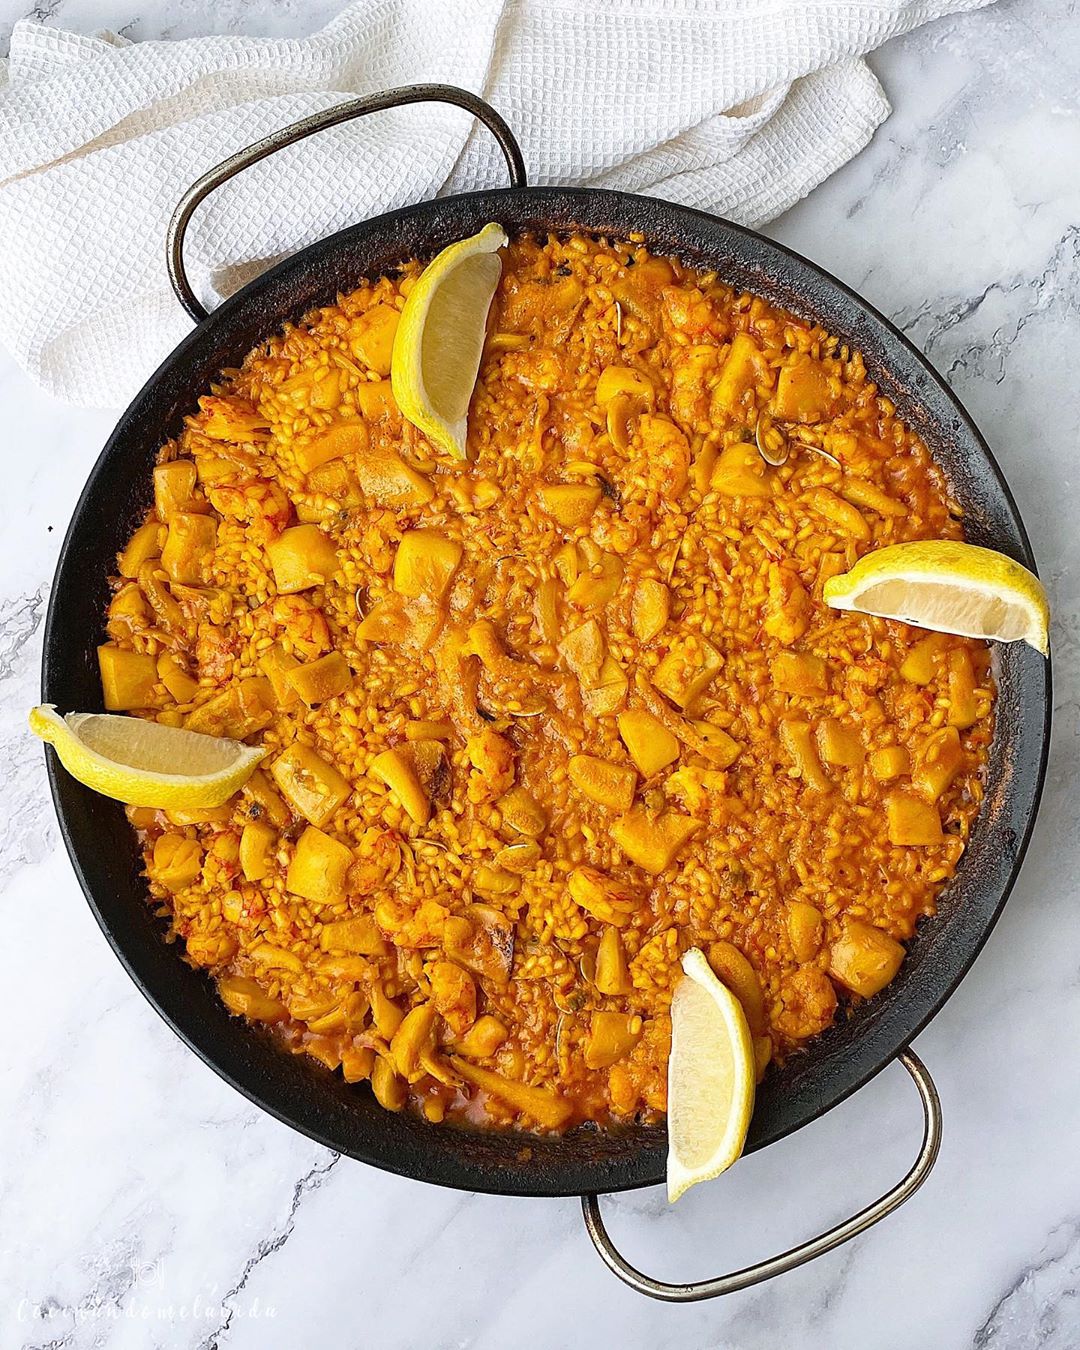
{"x":144,"y":1203}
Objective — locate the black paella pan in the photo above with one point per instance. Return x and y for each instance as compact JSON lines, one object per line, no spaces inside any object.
{"x":585,"y":1162}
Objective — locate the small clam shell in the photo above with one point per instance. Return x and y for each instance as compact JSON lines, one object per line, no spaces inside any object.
{"x":518,"y":857}
{"x":508,"y":342}
{"x":772,"y":444}
{"x":669,"y":570}
{"x":561,"y":1047}
{"x":620,"y":410}
{"x":822,"y":454}
{"x":536,"y":708}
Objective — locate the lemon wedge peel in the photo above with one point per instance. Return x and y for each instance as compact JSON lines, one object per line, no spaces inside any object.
{"x":440,"y":338}
{"x":143,"y":763}
{"x":950,"y":587}
{"x":710,"y":1078}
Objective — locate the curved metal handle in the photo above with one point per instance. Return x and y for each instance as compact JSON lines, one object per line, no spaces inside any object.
{"x":806,"y":1251}
{"x":307,"y":126}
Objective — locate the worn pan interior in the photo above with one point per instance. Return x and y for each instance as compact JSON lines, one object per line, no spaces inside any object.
{"x":300,"y":1092}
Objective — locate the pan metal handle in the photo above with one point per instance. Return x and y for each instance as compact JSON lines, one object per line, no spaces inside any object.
{"x":806,"y":1251}
{"x":307,"y":126}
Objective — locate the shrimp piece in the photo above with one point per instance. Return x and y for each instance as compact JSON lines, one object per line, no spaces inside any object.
{"x":378,"y":864}
{"x":616,"y":533}
{"x":693,"y":374}
{"x":492,"y":758}
{"x":666,"y":453}
{"x":407,"y":926}
{"x":808,"y":1002}
{"x":303,"y":624}
{"x":215,"y":652}
{"x":686,"y":310}
{"x":787,"y":608}
{"x":453,"y":991}
{"x":602,"y":896}
{"x":259,"y":503}
{"x":211,"y":949}
{"x":231,"y":419}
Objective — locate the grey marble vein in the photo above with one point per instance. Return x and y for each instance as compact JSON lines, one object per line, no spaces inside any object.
{"x":945,"y":333}
{"x":1041,"y":1308}
{"x":309,"y":1182}
{"x":20,"y":619}
{"x":30,"y":832}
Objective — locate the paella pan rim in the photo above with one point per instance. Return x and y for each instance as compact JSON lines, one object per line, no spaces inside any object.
{"x":309,"y":1098}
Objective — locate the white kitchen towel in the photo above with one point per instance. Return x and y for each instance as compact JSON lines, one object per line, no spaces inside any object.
{"x":736,"y":106}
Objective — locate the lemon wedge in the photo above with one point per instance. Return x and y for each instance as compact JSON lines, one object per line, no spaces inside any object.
{"x":440,"y":338}
{"x":710,"y":1078}
{"x":143,"y":763}
{"x":950,"y":587}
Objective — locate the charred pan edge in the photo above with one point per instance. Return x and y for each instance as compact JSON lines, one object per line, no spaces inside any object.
{"x":301,"y":1093}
